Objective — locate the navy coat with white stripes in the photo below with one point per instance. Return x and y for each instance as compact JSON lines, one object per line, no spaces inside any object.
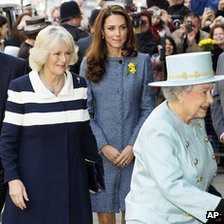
{"x":44,"y":141}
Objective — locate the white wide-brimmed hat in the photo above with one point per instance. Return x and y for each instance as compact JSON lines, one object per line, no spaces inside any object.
{"x":189,"y":69}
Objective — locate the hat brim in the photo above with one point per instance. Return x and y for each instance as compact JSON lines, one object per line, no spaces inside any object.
{"x":69,"y":17}
{"x":35,"y":30}
{"x":187,"y":82}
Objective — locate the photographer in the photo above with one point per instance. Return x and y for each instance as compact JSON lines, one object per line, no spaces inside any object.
{"x":166,"y":47}
{"x":145,"y":42}
{"x":177,"y":10}
{"x":189,"y":34}
{"x":161,"y":22}
{"x":208,"y":19}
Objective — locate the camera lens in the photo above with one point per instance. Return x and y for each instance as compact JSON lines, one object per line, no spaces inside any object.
{"x":189,"y":27}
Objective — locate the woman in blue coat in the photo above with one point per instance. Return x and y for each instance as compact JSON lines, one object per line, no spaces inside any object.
{"x":174,"y":162}
{"x":46,"y":137}
{"x":119,"y":100}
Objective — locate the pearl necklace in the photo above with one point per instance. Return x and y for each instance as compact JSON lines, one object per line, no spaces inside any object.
{"x":56,"y":88}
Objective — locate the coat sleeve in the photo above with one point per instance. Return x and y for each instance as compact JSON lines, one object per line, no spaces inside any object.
{"x":217,"y":105}
{"x":98,"y":132}
{"x":10,"y":135}
{"x":88,"y":140}
{"x":147,"y":101}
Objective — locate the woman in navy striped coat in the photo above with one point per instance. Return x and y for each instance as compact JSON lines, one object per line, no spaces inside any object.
{"x":46,"y":136}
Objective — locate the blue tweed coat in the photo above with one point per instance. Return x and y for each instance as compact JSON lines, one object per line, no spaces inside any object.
{"x":118,"y":105}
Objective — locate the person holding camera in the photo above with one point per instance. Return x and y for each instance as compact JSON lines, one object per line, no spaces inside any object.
{"x":167,"y":46}
{"x":208,"y":19}
{"x":161,"y":23}
{"x":177,"y":10}
{"x":189,"y":34}
{"x":145,"y":42}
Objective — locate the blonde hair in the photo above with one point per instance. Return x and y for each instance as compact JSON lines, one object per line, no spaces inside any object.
{"x":47,"y":40}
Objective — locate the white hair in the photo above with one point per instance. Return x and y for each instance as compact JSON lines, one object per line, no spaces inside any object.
{"x":170,"y":93}
{"x":47,"y":40}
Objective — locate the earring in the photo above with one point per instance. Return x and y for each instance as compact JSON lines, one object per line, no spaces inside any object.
{"x":102,"y":37}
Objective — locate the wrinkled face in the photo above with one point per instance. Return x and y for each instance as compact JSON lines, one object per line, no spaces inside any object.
{"x":115,"y":32}
{"x":169,"y":47}
{"x":3,"y":31}
{"x":218,"y":36}
{"x":58,"y":60}
{"x":196,"y":102}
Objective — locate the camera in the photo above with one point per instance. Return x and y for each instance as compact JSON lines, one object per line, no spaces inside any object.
{"x":177,"y":20}
{"x":189,"y":27}
{"x":136,"y":19}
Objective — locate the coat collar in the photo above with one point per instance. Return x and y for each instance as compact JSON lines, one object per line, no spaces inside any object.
{"x":41,"y":90}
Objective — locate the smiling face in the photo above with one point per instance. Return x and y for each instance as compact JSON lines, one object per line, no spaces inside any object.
{"x":169,"y":47}
{"x":196,"y":102}
{"x":218,"y":36}
{"x":57,"y":61}
{"x":115,"y":34}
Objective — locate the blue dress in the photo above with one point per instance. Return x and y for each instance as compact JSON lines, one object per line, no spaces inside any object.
{"x":118,"y":105}
{"x":44,"y":140}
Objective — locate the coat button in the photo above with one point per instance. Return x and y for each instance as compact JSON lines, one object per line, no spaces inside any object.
{"x":206,"y":139}
{"x":195,"y":161}
{"x":213,"y":156}
{"x":199,"y":179}
{"x":187,"y":144}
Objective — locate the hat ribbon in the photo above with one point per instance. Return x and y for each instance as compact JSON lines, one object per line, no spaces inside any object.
{"x":195,"y":75}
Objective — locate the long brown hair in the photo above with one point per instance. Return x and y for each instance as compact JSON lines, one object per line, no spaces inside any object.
{"x":97,"y":52}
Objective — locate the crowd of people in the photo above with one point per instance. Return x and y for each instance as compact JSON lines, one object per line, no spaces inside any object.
{"x":131,"y":91}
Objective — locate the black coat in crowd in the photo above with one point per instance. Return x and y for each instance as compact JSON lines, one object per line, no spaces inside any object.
{"x":10,"y":68}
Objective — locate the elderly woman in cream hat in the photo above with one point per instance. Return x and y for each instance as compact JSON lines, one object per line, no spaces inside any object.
{"x":174,"y":161}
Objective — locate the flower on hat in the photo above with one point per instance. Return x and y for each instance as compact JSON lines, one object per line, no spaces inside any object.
{"x":132,"y":68}
{"x":207,"y":44}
